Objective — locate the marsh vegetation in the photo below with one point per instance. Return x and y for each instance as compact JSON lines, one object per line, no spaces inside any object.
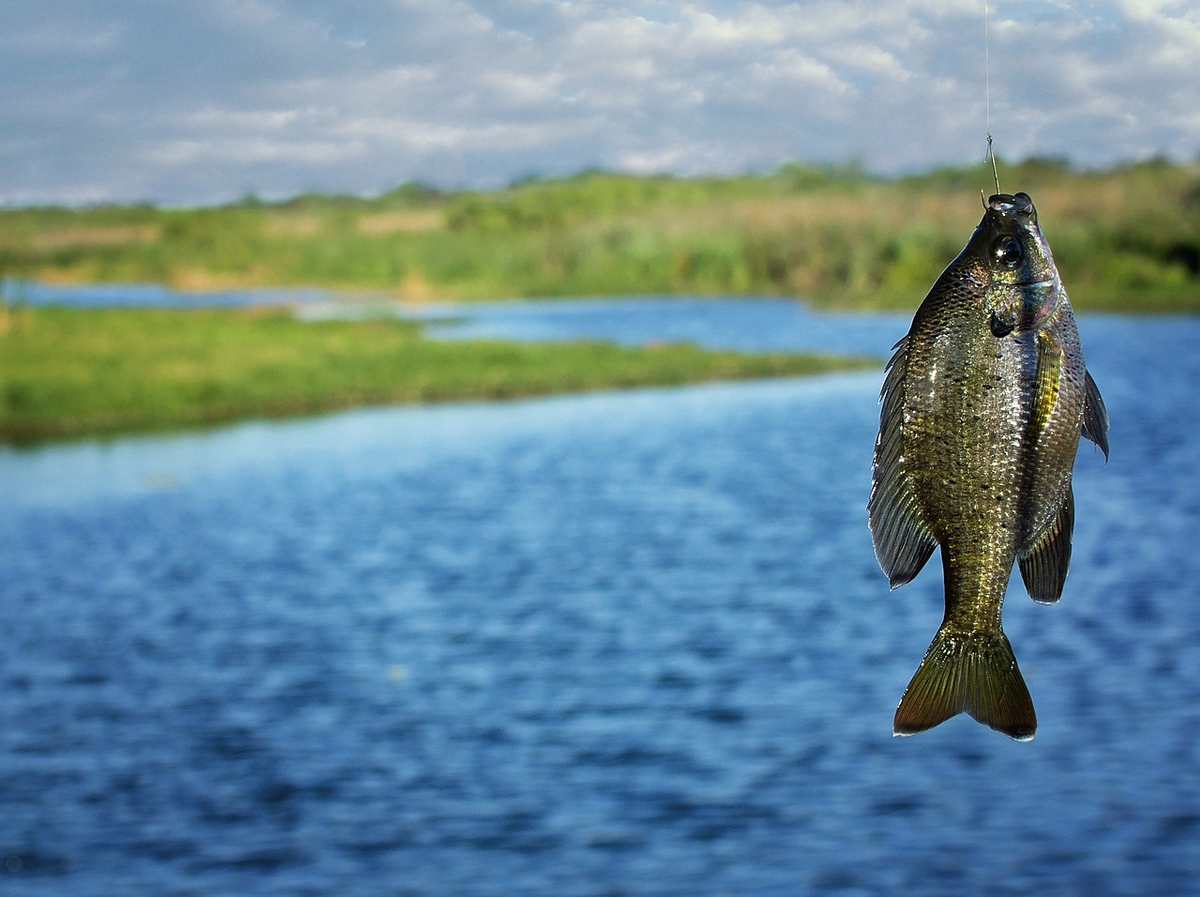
{"x":1127,"y":238}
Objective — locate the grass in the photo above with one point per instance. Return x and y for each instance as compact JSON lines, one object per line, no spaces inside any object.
{"x":70,"y":372}
{"x":1125,"y":239}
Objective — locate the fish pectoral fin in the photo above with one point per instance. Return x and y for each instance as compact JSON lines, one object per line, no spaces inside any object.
{"x":1044,"y":565}
{"x":974,"y":672}
{"x":1047,"y":382}
{"x":1095,"y":415}
{"x":903,"y":541}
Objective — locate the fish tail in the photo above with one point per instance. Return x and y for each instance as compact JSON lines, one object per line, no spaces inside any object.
{"x":972,"y":671}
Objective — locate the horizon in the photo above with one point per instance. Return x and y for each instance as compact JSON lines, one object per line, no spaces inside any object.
{"x":847,"y":172}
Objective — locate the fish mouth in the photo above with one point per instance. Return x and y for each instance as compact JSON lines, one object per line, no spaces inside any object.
{"x":1008,"y":203}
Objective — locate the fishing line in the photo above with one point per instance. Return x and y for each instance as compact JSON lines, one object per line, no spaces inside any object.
{"x":987,"y":97}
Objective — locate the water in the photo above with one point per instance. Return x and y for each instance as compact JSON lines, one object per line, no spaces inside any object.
{"x":761,"y":324}
{"x":613,"y":644}
{"x":733,"y":323}
{"x":128,"y":295}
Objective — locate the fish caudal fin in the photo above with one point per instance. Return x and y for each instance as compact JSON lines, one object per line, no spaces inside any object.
{"x":974,"y":672}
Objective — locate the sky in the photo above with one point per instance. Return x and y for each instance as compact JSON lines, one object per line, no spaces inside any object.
{"x":193,"y":102}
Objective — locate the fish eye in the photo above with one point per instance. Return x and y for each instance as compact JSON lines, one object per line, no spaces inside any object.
{"x":1009,"y":252}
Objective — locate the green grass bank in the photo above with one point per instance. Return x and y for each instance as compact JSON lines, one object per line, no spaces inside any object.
{"x":77,"y":372}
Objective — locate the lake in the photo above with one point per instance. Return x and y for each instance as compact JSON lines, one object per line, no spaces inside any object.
{"x":615,"y":644}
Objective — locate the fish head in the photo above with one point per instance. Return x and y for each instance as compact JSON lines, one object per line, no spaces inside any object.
{"x":1022,"y":284}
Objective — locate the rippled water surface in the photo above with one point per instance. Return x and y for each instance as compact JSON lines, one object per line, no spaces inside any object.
{"x":614,"y":644}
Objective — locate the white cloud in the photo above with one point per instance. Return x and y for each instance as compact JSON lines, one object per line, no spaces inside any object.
{"x":130,"y":99}
{"x":795,"y":70}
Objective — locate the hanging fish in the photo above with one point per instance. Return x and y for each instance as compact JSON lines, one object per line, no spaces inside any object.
{"x":983,"y":404}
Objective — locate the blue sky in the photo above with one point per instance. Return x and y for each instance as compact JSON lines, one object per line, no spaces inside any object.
{"x":205,"y":101}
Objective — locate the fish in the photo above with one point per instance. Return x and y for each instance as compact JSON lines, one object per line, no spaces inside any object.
{"x":983,"y":405}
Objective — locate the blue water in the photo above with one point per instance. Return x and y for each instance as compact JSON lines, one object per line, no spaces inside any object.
{"x":126,"y":295}
{"x":630,"y":643}
{"x":765,"y":323}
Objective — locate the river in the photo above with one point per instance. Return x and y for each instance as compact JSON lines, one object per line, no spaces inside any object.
{"x":623,"y":643}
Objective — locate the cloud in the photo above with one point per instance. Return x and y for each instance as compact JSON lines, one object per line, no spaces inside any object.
{"x":201,"y":102}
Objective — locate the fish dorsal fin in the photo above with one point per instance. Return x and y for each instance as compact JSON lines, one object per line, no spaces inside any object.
{"x":903,"y":540}
{"x":1044,"y":565}
{"x":1095,"y":415}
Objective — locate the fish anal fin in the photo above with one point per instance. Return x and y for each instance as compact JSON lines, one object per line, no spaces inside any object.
{"x":975,"y":672}
{"x":902,"y":539}
{"x":1044,"y":565}
{"x":1095,"y":415}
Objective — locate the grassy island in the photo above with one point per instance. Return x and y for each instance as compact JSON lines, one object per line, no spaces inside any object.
{"x":73,"y":372}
